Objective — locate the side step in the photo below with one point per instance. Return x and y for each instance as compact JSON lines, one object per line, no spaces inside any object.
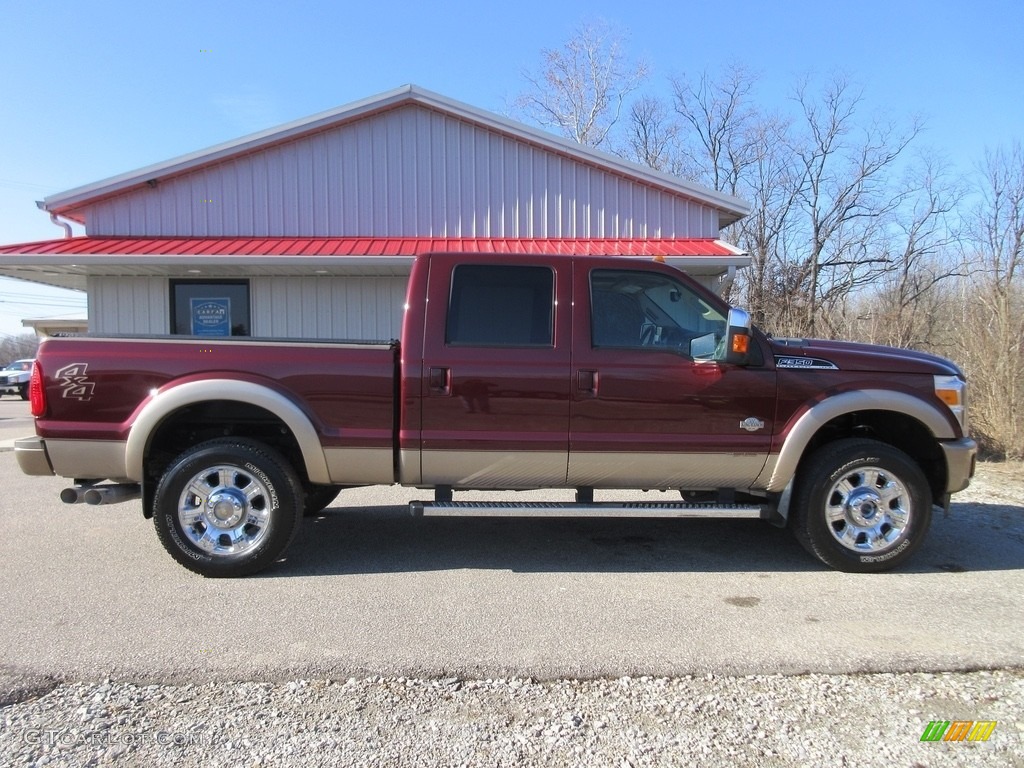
{"x":602,"y":509}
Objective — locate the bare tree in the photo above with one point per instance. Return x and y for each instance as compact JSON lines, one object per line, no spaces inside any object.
{"x":771,"y":187}
{"x":722,"y":125}
{"x":18,"y":347}
{"x":909,"y":308}
{"x":993,"y":314}
{"x":845,"y":197}
{"x":652,"y":136}
{"x":581,"y":87}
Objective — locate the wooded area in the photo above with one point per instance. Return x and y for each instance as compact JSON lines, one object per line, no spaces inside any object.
{"x":17,"y":347}
{"x":857,"y":229}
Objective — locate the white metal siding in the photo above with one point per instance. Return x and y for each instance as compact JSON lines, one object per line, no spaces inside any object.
{"x":367,"y":308}
{"x":129,"y":305}
{"x":407,"y":172}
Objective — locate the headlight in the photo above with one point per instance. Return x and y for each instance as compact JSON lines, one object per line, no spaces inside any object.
{"x":952,"y":390}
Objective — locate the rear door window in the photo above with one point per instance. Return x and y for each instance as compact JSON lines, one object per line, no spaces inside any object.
{"x":501,"y":306}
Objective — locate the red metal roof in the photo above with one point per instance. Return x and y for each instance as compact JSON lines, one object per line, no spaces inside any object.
{"x":361,"y":246}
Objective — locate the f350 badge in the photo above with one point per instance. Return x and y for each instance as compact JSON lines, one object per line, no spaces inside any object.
{"x":751,"y":424}
{"x":74,"y":384}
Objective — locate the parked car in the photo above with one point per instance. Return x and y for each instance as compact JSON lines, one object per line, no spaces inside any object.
{"x":14,"y":378}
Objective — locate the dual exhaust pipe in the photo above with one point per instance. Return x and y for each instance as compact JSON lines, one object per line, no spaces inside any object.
{"x":94,"y":495}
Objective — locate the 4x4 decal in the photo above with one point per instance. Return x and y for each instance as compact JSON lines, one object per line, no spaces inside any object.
{"x":73,"y":382}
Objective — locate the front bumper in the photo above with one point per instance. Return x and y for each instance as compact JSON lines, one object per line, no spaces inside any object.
{"x":961,"y":458}
{"x":32,"y":457}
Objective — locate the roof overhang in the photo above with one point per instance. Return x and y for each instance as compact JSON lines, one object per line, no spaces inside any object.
{"x":67,"y":263}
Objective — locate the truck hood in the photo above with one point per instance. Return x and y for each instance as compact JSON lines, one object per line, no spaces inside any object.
{"x":851,"y":356}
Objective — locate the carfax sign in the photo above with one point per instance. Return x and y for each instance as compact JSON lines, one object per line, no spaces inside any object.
{"x":211,"y":317}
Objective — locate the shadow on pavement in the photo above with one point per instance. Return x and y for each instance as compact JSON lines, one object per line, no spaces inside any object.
{"x":389,"y":540}
{"x":975,"y":537}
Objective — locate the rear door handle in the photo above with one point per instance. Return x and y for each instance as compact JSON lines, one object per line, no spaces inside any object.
{"x":441,"y":381}
{"x":586,"y":381}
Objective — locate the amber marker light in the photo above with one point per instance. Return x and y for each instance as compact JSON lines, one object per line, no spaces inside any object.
{"x":952,"y":390}
{"x":740,"y":343}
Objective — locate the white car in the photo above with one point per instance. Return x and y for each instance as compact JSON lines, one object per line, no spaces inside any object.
{"x":14,"y":378}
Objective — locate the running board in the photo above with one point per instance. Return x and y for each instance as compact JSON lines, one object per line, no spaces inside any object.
{"x":603,"y":509}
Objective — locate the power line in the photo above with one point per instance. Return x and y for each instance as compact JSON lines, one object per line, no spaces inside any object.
{"x":25,"y":186}
{"x":40,"y":300}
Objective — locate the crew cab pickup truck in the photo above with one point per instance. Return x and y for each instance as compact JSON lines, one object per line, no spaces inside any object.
{"x":512,"y":373}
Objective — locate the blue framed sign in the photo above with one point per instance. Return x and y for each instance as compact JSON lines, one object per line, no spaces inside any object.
{"x":211,"y":317}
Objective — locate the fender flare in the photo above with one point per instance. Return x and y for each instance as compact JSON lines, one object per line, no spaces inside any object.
{"x":816,"y":417}
{"x":167,"y":402}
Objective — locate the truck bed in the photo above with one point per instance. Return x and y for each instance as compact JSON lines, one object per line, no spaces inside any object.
{"x":344,"y":388}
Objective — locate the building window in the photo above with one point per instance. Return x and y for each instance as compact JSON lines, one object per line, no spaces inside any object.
{"x":210,"y":307}
{"x":501,"y":306}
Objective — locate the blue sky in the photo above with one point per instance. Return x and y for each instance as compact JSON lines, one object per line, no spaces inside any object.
{"x":90,"y":90}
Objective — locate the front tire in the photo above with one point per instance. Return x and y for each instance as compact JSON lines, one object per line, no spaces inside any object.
{"x":228,"y":507}
{"x":861,"y":506}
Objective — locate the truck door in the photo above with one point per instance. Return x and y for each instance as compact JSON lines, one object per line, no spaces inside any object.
{"x":651,"y":406}
{"x":495,"y":389}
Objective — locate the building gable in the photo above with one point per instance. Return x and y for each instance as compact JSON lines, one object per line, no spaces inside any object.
{"x":418,"y":166}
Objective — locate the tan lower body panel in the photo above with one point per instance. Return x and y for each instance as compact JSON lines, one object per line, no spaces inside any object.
{"x":524,"y":470}
{"x":494,"y":469}
{"x":693,"y":471}
{"x":89,"y":459}
{"x":98,"y":459}
{"x":360,"y":466}
{"x":31,"y":456}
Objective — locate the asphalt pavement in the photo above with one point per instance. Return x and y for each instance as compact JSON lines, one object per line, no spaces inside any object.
{"x":88,"y":593}
{"x":15,"y":421}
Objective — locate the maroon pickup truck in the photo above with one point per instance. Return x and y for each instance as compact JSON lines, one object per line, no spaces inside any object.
{"x":512,"y":373}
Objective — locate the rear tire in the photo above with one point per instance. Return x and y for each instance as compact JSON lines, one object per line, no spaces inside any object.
{"x":23,"y":391}
{"x":228,"y":507}
{"x":861,"y":506}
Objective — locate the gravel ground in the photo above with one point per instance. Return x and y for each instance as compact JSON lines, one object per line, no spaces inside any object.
{"x":810,"y":720}
{"x":760,"y":720}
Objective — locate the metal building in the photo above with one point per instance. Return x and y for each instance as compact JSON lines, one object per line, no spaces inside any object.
{"x":308,"y":230}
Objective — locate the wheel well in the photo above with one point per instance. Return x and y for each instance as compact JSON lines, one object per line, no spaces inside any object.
{"x":204,"y":421}
{"x":898,"y":430}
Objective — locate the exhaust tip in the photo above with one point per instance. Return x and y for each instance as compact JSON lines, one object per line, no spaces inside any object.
{"x":70,"y":496}
{"x":111,"y":494}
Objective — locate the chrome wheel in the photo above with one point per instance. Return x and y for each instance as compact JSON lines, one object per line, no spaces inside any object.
{"x":861,"y":505}
{"x":225,"y":510}
{"x":868,"y":510}
{"x":227,"y":507}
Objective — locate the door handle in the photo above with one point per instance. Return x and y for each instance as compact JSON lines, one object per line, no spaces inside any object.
{"x":440,"y":381}
{"x":586,"y":381}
